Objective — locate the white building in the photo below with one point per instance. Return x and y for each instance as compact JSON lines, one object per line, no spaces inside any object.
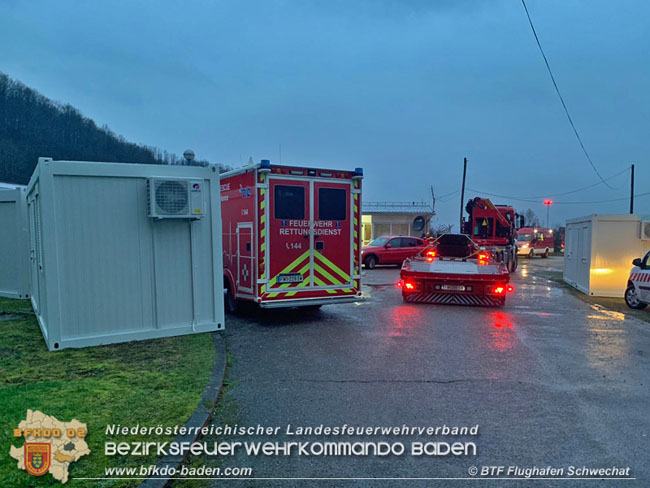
{"x":599,"y":249}
{"x":394,"y":218}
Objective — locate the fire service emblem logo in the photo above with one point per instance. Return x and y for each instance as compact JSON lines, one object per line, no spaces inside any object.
{"x":37,"y":458}
{"x":50,"y":446}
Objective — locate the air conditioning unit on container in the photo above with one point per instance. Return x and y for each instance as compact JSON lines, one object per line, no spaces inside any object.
{"x":175,"y":199}
{"x":645,"y":230}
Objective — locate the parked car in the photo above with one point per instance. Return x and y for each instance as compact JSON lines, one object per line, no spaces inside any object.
{"x":532,"y":241}
{"x":637,"y":294}
{"x":391,"y":250}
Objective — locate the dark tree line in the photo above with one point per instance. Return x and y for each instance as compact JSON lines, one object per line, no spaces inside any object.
{"x":32,"y":125}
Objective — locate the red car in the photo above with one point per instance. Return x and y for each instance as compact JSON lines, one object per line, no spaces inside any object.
{"x":391,"y":250}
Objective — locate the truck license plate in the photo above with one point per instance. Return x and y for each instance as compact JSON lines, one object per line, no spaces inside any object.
{"x":453,"y":287}
{"x":290,"y":278}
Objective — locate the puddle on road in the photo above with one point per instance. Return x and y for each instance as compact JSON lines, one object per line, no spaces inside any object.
{"x":608,"y":349}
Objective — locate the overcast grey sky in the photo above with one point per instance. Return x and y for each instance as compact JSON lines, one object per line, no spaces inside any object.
{"x":404,"y":89}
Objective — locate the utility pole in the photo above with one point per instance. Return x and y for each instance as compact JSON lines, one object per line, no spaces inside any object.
{"x":462,"y":194}
{"x":632,"y":191}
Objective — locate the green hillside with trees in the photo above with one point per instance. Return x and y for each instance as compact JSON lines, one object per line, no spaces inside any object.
{"x":32,"y":125}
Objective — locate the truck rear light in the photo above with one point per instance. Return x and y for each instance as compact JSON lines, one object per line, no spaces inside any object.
{"x":499,"y":290}
{"x":510,"y":288}
{"x":430,"y":255}
{"x":483,"y":258}
{"x":399,"y":284}
{"x":409,"y":285}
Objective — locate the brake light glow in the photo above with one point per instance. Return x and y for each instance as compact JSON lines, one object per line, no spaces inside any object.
{"x":510,"y":288}
{"x":498,"y":290}
{"x":398,"y":284}
{"x":409,"y":285}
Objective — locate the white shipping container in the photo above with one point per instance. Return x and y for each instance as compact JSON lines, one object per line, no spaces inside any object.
{"x":105,"y":270}
{"x":598,"y":252}
{"x":14,"y":239}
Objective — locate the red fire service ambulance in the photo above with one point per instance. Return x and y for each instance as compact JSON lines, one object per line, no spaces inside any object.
{"x":291,"y":235}
{"x":535,"y":241}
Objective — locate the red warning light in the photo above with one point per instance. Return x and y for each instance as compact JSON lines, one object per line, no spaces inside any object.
{"x":410,"y":286}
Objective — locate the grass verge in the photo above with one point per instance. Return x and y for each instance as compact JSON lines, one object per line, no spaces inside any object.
{"x":144,"y":383}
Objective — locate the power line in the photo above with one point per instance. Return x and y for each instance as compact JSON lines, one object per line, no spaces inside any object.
{"x":557,"y":90}
{"x":603,"y":201}
{"x":557,"y":203}
{"x":530,"y":198}
{"x":589,"y":186}
{"x":449,"y":199}
{"x":447,"y":194}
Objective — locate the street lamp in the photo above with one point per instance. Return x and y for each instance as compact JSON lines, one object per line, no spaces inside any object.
{"x":548,"y":204}
{"x":189,"y":156}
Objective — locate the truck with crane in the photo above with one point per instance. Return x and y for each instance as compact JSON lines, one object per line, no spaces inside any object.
{"x":494,"y":228}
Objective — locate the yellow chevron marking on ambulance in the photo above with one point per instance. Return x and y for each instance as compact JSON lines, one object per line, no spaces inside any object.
{"x":327,"y":275}
{"x":295,"y":263}
{"x":292,"y":293}
{"x":332,"y":266}
{"x":286,"y":285}
{"x":320,"y":282}
{"x":327,"y":267}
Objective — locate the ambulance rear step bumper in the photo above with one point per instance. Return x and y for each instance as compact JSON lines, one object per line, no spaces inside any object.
{"x":306,"y":302}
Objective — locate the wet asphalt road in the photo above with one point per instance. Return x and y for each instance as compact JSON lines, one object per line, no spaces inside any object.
{"x":549,"y":379}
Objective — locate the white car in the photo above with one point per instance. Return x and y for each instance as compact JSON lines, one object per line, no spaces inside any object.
{"x":637,"y":294}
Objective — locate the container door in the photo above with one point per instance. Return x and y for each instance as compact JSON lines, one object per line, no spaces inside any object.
{"x":571,"y":254}
{"x":584,"y":265}
{"x":333,"y":234}
{"x":289,"y":237}
{"x":35,"y":251}
{"x":245,"y":257}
